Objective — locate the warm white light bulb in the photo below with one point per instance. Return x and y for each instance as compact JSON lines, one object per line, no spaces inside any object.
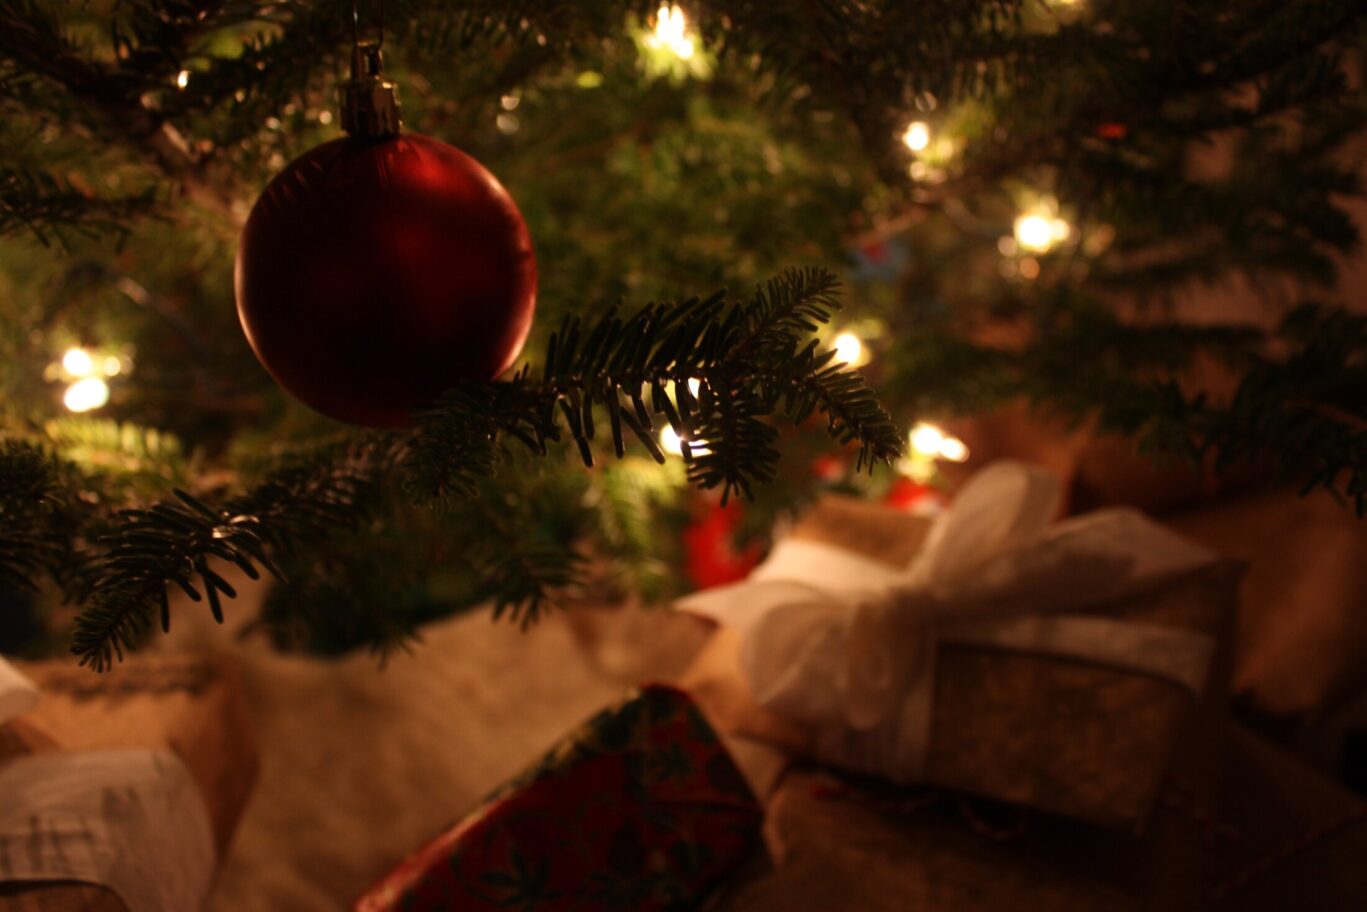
{"x":78,"y":363}
{"x":671,"y":31}
{"x":1039,"y":230}
{"x":850,"y":349}
{"x":694,"y":386}
{"x":183,"y":78}
{"x":669,"y":442}
{"x":917,"y":136}
{"x":1034,"y":232}
{"x":85,"y":395}
{"x":926,"y":439}
{"x":673,"y":445}
{"x":953,"y":449}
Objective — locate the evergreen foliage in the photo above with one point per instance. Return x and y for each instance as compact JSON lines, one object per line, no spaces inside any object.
{"x":1189,"y":146}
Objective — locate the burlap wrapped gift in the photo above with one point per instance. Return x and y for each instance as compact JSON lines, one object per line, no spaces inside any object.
{"x":165,"y":721}
{"x":1053,"y":666}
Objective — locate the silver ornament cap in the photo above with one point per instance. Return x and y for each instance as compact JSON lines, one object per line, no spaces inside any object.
{"x":370,"y":101}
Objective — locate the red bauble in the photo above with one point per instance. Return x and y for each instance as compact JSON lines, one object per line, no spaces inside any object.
{"x":375,"y":273}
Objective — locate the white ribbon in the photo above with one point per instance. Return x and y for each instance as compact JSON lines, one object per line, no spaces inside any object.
{"x":17,"y":693}
{"x":845,"y":646}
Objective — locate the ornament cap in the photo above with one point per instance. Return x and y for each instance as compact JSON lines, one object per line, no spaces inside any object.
{"x":370,"y":102}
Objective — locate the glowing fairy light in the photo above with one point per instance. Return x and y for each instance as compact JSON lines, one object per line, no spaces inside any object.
{"x":953,"y":449}
{"x":925,"y":439}
{"x":183,"y":79}
{"x":850,"y":349}
{"x":78,"y":363}
{"x":931,"y":442}
{"x":670,"y":442}
{"x":671,"y":31}
{"x":85,"y":374}
{"x":917,"y":136}
{"x":1038,"y":231}
{"x":86,"y":395}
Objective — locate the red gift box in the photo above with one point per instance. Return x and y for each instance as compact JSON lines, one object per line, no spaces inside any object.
{"x":639,"y":809}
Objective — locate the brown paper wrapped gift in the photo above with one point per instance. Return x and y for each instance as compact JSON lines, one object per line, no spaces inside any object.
{"x":1274,"y":836}
{"x":1081,"y":738}
{"x":191,"y":706}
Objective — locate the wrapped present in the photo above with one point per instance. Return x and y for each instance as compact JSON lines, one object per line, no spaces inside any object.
{"x":1275,"y":836}
{"x":640,"y":809}
{"x":992,"y":650}
{"x":119,"y":792}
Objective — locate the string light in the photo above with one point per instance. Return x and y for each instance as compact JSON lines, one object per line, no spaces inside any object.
{"x":850,"y":349}
{"x":78,"y":363}
{"x":926,"y":438}
{"x":953,"y":449}
{"x":671,"y":31}
{"x":672,"y":444}
{"x":917,"y":136}
{"x":1039,"y":230}
{"x":86,"y":395}
{"x":86,"y":373}
{"x":183,"y":79}
{"x":929,"y":441}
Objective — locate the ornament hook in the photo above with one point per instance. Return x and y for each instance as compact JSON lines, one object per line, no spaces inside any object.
{"x":370,"y":101}
{"x":356,"y":24}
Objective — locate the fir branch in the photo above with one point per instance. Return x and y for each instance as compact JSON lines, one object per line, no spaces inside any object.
{"x":636,"y":371}
{"x":457,"y":443}
{"x":46,"y":206}
{"x":32,"y":482}
{"x":174,"y":542}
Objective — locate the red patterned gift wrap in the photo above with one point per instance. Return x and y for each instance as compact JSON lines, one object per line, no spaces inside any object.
{"x":639,"y":809}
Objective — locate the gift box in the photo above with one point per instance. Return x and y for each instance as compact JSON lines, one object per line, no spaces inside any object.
{"x":641,"y":808}
{"x":1274,"y":836}
{"x":992,"y":651}
{"x":169,"y":735}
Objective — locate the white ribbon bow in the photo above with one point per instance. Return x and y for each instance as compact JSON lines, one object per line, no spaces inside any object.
{"x":845,"y":646}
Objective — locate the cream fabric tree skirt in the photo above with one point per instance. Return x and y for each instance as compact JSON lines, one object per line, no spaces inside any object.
{"x":360,"y":764}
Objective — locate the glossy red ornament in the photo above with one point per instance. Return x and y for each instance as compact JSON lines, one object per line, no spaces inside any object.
{"x":375,"y":273}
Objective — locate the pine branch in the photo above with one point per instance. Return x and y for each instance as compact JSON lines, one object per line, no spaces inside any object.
{"x":1299,"y":406}
{"x":458,"y":443}
{"x":640,"y":370}
{"x":174,"y":542}
{"x":636,"y":371}
{"x":45,"y":205}
{"x":32,"y":482}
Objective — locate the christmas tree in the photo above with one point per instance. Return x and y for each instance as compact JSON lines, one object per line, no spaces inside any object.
{"x":974,"y":202}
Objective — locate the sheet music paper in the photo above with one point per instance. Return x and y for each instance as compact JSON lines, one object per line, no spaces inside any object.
{"x":130,"y":820}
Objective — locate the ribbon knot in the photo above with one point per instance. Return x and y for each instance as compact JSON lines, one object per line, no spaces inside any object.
{"x":845,"y":646}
